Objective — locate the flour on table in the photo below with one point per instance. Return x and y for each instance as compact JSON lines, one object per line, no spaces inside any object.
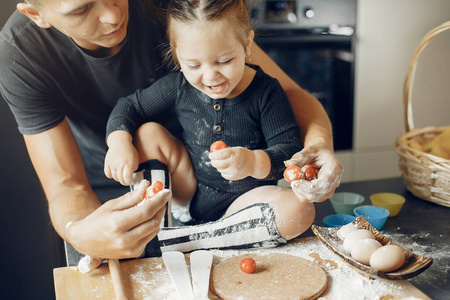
{"x":340,"y":276}
{"x":164,"y":286}
{"x":103,"y":289}
{"x":439,"y":252}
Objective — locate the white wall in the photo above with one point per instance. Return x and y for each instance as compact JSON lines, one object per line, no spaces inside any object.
{"x":388,"y":32}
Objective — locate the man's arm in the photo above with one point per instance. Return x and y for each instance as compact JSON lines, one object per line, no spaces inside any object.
{"x":315,"y":126}
{"x":116,"y":229}
{"x":57,"y":161}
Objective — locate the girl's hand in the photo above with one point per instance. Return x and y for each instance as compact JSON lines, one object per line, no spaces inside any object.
{"x":121,"y":160}
{"x":330,"y":169}
{"x":236,"y":163}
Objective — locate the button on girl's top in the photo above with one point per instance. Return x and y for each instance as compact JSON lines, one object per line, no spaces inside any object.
{"x":217,"y":128}
{"x":217,"y":107}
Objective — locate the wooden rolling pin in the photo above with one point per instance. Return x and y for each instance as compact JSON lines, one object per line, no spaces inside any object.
{"x":87,"y":264}
{"x":121,"y":289}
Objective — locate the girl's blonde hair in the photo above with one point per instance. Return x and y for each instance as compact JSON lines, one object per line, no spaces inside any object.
{"x":189,"y":11}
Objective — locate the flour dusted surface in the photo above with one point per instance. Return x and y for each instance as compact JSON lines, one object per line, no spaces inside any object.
{"x":343,"y":282}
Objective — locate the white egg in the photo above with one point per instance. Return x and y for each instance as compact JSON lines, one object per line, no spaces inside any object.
{"x":345,"y":230}
{"x":363,"y":249}
{"x":387,"y":258}
{"x":355,"y":236}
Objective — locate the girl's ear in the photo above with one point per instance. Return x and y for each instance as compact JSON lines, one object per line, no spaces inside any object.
{"x":249,"y":42}
{"x":34,"y":14}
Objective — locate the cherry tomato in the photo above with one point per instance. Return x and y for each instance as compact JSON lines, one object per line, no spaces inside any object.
{"x":216,"y":146}
{"x":248,"y":265}
{"x":293,"y":173}
{"x":310,"y":173}
{"x":152,"y":190}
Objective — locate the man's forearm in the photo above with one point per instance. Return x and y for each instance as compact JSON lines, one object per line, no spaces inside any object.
{"x":59,"y":166}
{"x":70,"y":205}
{"x":315,"y":126}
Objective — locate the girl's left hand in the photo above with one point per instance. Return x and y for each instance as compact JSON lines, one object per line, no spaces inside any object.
{"x":234,"y":163}
{"x":320,"y":157}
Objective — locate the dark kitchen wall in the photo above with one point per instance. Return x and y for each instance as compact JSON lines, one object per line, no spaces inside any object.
{"x":30,"y":248}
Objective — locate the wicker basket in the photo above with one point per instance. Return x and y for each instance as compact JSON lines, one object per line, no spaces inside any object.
{"x":426,"y":176}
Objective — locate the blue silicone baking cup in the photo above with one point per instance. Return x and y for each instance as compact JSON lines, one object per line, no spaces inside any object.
{"x":338,"y":220}
{"x":376,"y":216}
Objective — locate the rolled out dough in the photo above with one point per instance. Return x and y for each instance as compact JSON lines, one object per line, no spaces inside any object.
{"x":277,"y":276}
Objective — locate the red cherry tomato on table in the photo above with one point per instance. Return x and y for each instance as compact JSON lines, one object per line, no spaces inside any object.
{"x":310,"y":173}
{"x":293,"y":173}
{"x":248,"y":265}
{"x":155,"y":188}
{"x":216,"y":146}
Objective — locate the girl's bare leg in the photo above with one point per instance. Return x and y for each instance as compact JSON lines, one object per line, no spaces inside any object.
{"x":292,"y":217}
{"x":153,"y":141}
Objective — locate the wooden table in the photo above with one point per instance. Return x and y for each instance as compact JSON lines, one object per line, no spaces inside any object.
{"x":420,"y":223}
{"x":149,"y":279}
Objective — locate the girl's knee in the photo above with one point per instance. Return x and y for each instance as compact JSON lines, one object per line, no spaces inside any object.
{"x":153,"y":141}
{"x":293,"y":217}
{"x":151,"y":130}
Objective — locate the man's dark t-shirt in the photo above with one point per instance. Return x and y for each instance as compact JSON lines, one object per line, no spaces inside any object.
{"x":45,"y":77}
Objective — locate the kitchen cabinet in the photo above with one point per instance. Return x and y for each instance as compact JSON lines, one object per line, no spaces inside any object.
{"x":387,"y":34}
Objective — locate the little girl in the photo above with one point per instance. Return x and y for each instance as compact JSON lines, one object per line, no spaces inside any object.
{"x":216,"y":96}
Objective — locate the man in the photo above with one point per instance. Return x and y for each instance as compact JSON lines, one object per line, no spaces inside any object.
{"x":64,"y":65}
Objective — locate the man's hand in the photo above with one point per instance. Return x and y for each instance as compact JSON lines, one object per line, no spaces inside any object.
{"x":119,"y":228}
{"x":330,"y":169}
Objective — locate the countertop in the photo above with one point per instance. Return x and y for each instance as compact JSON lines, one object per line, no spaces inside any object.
{"x":148,"y":278}
{"x":421,"y":227}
